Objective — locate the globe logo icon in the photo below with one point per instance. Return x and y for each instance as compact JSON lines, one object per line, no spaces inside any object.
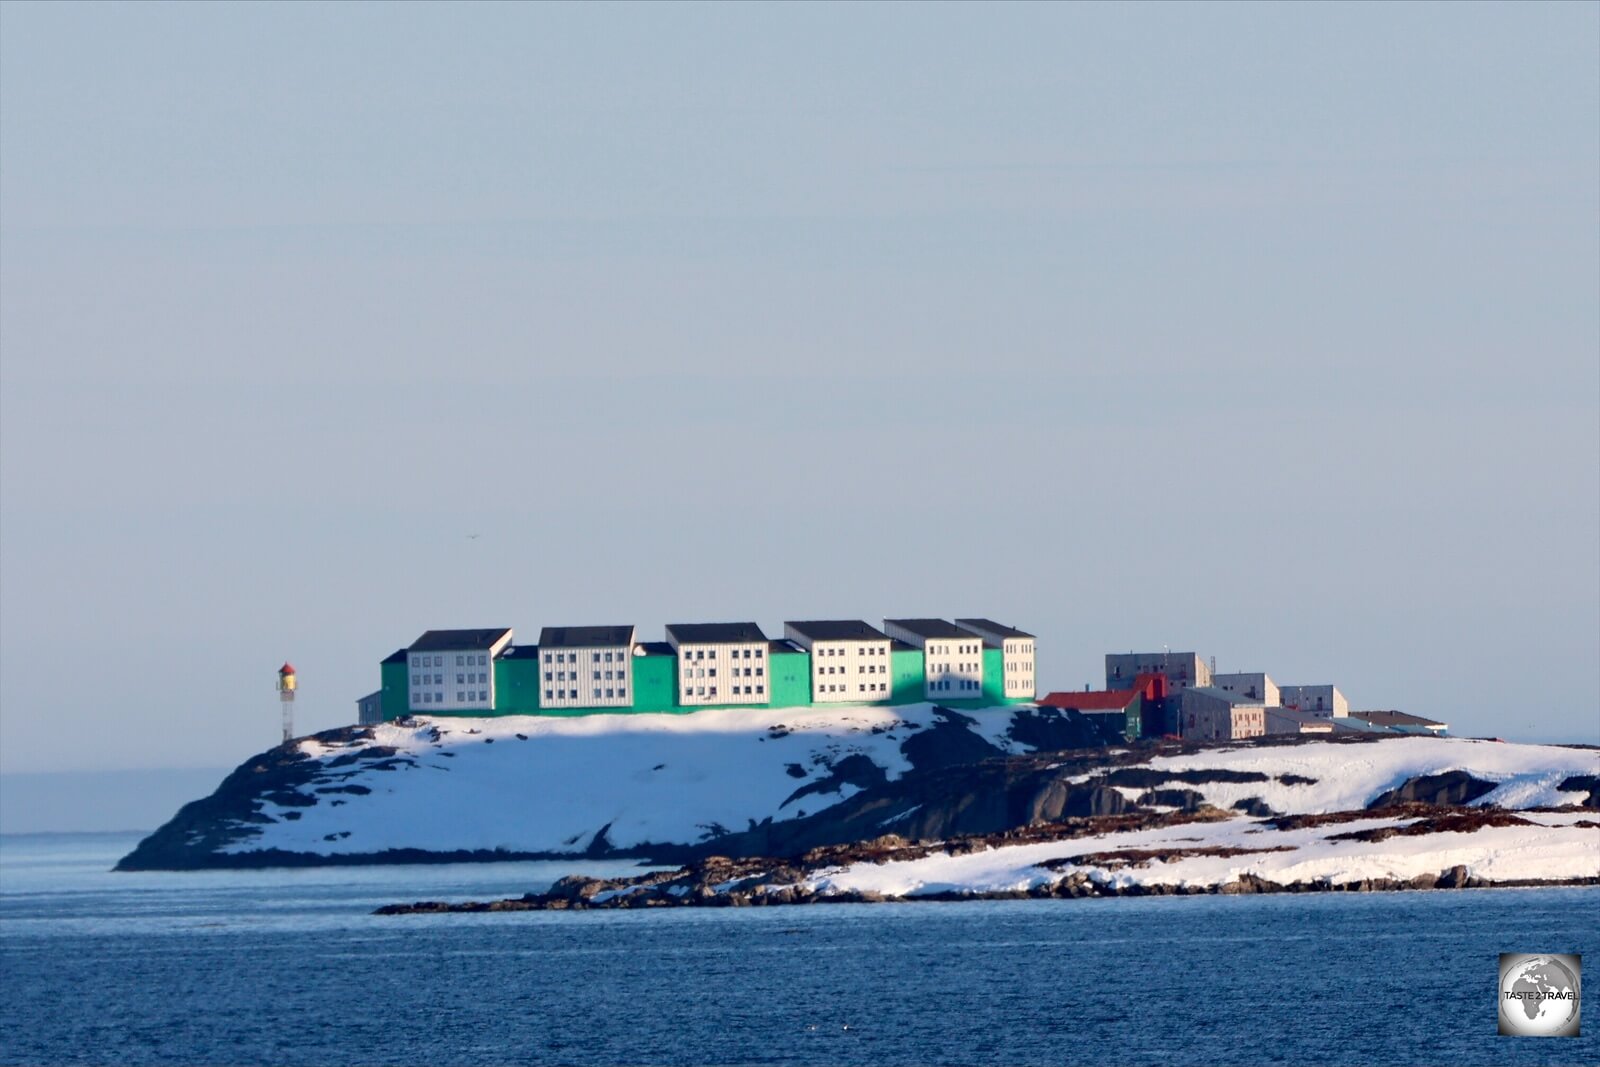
{"x":1540,"y":995}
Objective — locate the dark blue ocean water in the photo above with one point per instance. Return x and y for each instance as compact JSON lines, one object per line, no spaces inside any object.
{"x":289,"y":967}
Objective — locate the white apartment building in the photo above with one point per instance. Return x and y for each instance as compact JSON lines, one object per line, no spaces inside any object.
{"x":952,"y":658}
{"x":453,"y":670}
{"x":1016,"y":655}
{"x":849,"y":660}
{"x":586,"y":666}
{"x":720,"y":663}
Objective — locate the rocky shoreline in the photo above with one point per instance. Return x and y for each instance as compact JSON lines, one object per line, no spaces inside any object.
{"x":720,"y":881}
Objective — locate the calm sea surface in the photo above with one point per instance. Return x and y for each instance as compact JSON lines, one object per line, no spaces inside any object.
{"x":290,"y":967}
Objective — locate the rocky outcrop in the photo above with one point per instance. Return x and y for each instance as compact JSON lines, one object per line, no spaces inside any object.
{"x":1451,"y":787}
{"x":725,"y":881}
{"x":206,"y":826}
{"x":1578,"y":783}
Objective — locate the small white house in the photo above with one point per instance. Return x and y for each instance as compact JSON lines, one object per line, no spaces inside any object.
{"x":1322,"y":700}
{"x":849,"y":660}
{"x":952,"y":658}
{"x":586,"y":666}
{"x":720,"y":663}
{"x":1257,"y":686}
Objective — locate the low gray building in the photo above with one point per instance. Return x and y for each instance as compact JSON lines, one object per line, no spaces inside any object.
{"x":1209,"y":714}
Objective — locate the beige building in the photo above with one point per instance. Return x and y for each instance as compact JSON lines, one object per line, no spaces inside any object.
{"x":1016,"y":655}
{"x":1257,"y":686}
{"x":1322,"y":700}
{"x":720,"y":663}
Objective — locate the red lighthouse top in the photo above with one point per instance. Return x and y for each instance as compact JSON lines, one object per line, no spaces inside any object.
{"x":287,"y":668}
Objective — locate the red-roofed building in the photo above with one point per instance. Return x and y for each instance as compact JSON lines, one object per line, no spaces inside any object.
{"x":1127,"y":704}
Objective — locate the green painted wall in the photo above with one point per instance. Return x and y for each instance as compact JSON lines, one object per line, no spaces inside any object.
{"x":906,"y":673}
{"x":994,"y":675}
{"x":655,"y":684}
{"x":516,"y":686}
{"x":396,"y":690}
{"x":791,"y":679}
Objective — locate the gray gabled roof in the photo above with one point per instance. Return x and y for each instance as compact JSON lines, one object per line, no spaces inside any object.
{"x":585,"y":636}
{"x":838,"y":630}
{"x":936,"y":628}
{"x":995,"y":628}
{"x":715,"y":633}
{"x":458,"y":640}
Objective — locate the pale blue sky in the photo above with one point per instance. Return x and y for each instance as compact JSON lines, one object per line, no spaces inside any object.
{"x":1269,"y":331}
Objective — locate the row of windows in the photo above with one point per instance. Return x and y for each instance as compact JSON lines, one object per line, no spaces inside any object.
{"x":422,"y":679}
{"x":944,"y":685}
{"x":954,"y":650}
{"x":468,"y":679}
{"x":952,"y":668}
{"x":572,"y":657}
{"x":876,"y":687}
{"x":1025,"y":648}
{"x":1019,"y":666}
{"x":711,"y":672}
{"x":867,"y":668}
{"x":572,"y":676}
{"x":462,"y":696}
{"x":733,"y":653}
{"x":870,"y":650}
{"x":711,"y":691}
{"x":572,"y":694}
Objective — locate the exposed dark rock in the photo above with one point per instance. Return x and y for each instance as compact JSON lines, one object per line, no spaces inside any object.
{"x":1451,"y":788}
{"x":1182,"y":799}
{"x":856,"y":770}
{"x":949,"y":742}
{"x":1254,"y":807}
{"x":1577,"y":783}
{"x":1458,"y":821}
{"x":1054,"y":729}
{"x":1150,"y":777}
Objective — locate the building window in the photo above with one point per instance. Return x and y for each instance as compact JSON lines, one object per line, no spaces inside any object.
{"x":758,"y":653}
{"x":761,"y":689}
{"x":609,"y":694}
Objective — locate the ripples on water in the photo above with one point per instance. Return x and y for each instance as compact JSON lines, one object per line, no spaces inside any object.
{"x":289,"y":967}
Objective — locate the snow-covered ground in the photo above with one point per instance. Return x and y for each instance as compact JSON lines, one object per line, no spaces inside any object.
{"x":1553,"y":848}
{"x":547,"y":784}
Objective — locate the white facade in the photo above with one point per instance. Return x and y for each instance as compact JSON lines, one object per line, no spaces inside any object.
{"x":575,"y":672}
{"x":1322,"y":700}
{"x":712,"y":672}
{"x":952,"y":658}
{"x":846,"y":670}
{"x":1016,"y":655}
{"x":453,"y":679}
{"x":1257,"y":686}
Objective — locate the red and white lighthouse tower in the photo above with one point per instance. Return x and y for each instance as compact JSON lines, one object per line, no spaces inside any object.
{"x":286,"y":688}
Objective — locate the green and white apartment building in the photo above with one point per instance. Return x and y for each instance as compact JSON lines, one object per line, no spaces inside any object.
{"x":587,"y":670}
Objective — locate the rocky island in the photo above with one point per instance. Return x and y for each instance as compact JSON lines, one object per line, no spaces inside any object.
{"x":918,"y":802}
